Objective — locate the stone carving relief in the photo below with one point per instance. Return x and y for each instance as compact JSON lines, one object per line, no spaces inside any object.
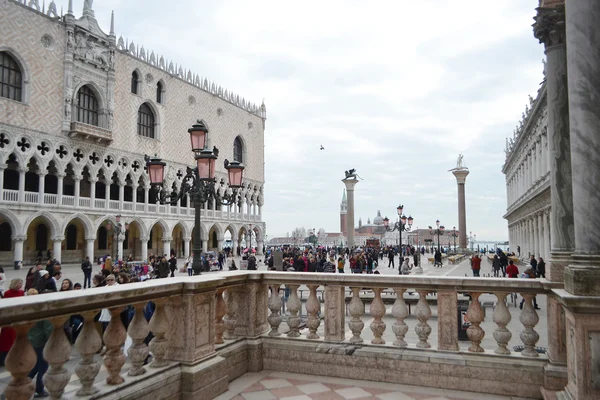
{"x":87,"y":49}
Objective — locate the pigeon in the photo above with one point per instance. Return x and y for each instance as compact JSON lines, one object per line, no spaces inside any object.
{"x":322,"y":148}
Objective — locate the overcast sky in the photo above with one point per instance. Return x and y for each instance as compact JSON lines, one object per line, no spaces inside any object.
{"x":395,"y":89}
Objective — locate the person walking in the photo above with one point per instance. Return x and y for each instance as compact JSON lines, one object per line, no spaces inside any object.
{"x":391,"y":258}
{"x":173,"y":265}
{"x":541,"y":268}
{"x":475,"y":264}
{"x":163,"y":268}
{"x":86,"y":267}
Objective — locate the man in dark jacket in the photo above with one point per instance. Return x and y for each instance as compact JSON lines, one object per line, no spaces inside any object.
{"x":86,"y":267}
{"x":391,"y":258}
{"x":173,"y":265}
{"x":251,"y":262}
{"x":163,"y":268}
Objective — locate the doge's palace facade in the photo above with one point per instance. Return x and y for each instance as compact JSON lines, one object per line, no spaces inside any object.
{"x":527,"y":172}
{"x":79,"y":109}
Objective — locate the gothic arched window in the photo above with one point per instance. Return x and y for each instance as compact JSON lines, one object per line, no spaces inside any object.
{"x":102,"y":238}
{"x":41,"y":237}
{"x":145,"y":125}
{"x":134,"y":82}
{"x":87,"y":106}
{"x":238,"y":150}
{"x":71,"y":237}
{"x":159,"y":92}
{"x":11,"y":77}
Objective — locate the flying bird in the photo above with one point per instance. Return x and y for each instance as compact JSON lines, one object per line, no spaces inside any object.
{"x":322,"y":148}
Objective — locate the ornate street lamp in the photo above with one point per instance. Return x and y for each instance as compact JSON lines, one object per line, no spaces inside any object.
{"x":402,"y":225}
{"x":199,"y":182}
{"x":250,"y":234}
{"x":454,"y":235}
{"x":439,"y":230}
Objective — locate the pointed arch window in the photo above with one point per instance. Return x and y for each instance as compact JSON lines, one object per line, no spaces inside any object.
{"x":11,"y":77}
{"x":238,"y":150}
{"x":134,"y":82}
{"x":145,"y":126}
{"x":159,"y":92}
{"x":71,"y":237}
{"x":87,"y":106}
{"x":102,"y":238}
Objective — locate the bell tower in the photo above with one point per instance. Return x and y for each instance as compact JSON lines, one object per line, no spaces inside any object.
{"x":343,"y":213}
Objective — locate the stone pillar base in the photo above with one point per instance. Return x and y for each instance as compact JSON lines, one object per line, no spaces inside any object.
{"x":205,"y":380}
{"x":583,"y":280}
{"x":555,"y":268}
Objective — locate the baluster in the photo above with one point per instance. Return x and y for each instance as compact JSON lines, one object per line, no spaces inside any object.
{"x":313,"y":307}
{"x":423,"y":313}
{"x":377,"y":310}
{"x":159,"y":325}
{"x":230,"y":317}
{"x":294,"y":305}
{"x":475,"y":316}
{"x":502,"y":317}
{"x":114,"y":338}
{"x":400,"y":311}
{"x":87,"y":344}
{"x":274,"y":305}
{"x":356,"y":309}
{"x":138,"y":331}
{"x":57,"y":352}
{"x":529,"y":319}
{"x":219,"y":314}
{"x":20,"y":360}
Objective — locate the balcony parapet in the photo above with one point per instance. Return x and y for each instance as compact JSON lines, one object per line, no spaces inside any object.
{"x":233,"y":322}
{"x":90,"y":132}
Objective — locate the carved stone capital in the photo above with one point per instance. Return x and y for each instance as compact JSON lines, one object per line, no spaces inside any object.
{"x":549,"y":26}
{"x":58,"y":238}
{"x":19,"y":238}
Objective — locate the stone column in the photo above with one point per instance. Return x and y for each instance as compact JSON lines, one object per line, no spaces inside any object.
{"x":41,"y":187}
{"x":120,"y":239}
{"x":60,"y":177}
{"x":89,"y":248}
{"x":2,"y":169}
{"x":144,"y":241}
{"x":461,"y":178}
{"x":57,"y":246}
{"x":107,"y":194}
{"x":77,"y":180}
{"x":121,"y":194}
{"x":549,"y":28}
{"x":93,"y":181}
{"x":167,"y":245}
{"x":18,"y":249}
{"x":146,"y":197}
{"x":22,"y":172}
{"x":186,"y":246}
{"x":350,"y":183}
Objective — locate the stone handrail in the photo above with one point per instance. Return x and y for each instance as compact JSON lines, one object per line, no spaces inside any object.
{"x":194,"y":314}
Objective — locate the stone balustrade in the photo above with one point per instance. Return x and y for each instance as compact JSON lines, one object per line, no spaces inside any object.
{"x":210,"y":329}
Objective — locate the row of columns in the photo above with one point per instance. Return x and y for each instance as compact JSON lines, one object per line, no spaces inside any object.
{"x":532,"y":168}
{"x":532,"y":234}
{"x":251,"y":208}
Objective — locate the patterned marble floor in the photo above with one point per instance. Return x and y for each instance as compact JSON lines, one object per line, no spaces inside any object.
{"x":270,"y":385}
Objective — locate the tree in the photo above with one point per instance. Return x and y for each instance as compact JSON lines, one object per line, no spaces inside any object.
{"x":298,"y":235}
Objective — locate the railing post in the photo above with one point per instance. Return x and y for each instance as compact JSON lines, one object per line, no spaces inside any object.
{"x":502,"y":317}
{"x":57,"y":352}
{"x":87,"y":344}
{"x":230,"y":317}
{"x":275,"y":307}
{"x":159,"y":325}
{"x":447,"y":321}
{"x":114,"y":338}
{"x":529,"y":319}
{"x":219,"y":314}
{"x":313,"y":306}
{"x":400,"y":312}
{"x":335,"y":313}
{"x":377,"y":310}
{"x":138,"y":331}
{"x":475,"y":316}
{"x":294,"y":305}
{"x":20,"y":360}
{"x":423,"y":311}
{"x":357,"y":309}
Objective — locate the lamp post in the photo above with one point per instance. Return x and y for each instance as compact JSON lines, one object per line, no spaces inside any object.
{"x":199,"y":182}
{"x":118,"y":229}
{"x":454,"y":235}
{"x":402,"y":225}
{"x":439,"y":230}
{"x":250,"y":234}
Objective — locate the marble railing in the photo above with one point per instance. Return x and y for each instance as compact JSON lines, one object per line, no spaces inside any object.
{"x":195,"y":314}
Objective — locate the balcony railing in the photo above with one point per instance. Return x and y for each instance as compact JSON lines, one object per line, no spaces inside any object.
{"x":198,"y":318}
{"x":12,"y":196}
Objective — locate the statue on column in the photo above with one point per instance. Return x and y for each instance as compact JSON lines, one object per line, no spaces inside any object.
{"x":87,"y":5}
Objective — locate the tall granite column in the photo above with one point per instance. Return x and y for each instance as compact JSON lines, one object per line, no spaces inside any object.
{"x":461,"y":177}
{"x":350,"y":183}
{"x":581,"y":296}
{"x":549,"y":28}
